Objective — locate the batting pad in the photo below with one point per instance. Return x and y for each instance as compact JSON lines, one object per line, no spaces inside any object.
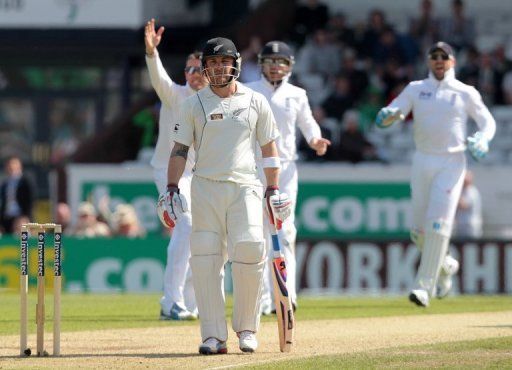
{"x":208,"y":279}
{"x":434,"y":252}
{"x":247,"y":287}
{"x":418,"y":238}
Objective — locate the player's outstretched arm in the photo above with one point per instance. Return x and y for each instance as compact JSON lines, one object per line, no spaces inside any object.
{"x":152,"y":38}
{"x":320,"y":145}
{"x":387,"y":116}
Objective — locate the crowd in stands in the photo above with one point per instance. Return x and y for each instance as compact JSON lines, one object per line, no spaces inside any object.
{"x":17,"y":196}
{"x":357,"y":68}
{"x":99,"y":221}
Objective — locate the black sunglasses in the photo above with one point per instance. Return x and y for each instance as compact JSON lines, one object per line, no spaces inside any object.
{"x":436,"y":56}
{"x":192,"y":70}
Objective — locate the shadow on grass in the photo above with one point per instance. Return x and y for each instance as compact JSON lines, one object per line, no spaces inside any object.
{"x":128,"y":355}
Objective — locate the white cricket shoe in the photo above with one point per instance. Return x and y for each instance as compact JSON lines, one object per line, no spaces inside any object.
{"x":213,"y":346}
{"x":247,"y":341}
{"x":419,"y":296}
{"x":177,"y":312}
{"x":444,"y":283}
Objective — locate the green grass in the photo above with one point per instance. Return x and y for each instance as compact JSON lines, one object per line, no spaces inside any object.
{"x":105,"y":311}
{"x":493,"y":353}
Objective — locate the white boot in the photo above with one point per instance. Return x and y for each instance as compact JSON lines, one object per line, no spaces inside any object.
{"x":247,"y":341}
{"x":420,"y":297}
{"x":449,"y":268}
{"x":213,"y":346}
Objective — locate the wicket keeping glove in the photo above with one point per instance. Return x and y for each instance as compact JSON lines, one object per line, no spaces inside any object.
{"x":171,"y":206}
{"x":387,"y":116}
{"x":478,"y":145}
{"x":278,"y":204}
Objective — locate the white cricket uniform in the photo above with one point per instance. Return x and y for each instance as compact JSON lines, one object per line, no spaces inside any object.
{"x":178,"y":287}
{"x":440,"y":109}
{"x":291,"y":109}
{"x":227,"y":198}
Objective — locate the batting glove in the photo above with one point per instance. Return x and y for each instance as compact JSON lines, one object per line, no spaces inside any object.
{"x":478,"y":145}
{"x":171,"y":206}
{"x":279,"y":205}
{"x":387,"y":116}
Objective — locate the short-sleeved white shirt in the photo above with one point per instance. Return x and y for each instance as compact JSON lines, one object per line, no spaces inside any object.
{"x":441,"y":109}
{"x":226,"y":133}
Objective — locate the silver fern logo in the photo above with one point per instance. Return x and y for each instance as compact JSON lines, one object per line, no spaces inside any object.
{"x":237,"y":112}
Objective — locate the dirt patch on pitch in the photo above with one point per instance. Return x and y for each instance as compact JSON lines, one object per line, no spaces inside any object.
{"x":176,"y":346}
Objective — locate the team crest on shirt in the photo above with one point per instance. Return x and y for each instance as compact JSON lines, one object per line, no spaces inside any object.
{"x":237,"y":112}
{"x":425,"y":95}
{"x":176,"y":127}
{"x":216,"y":116}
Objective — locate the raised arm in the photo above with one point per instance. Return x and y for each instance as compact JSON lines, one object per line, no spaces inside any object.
{"x":160,"y":80}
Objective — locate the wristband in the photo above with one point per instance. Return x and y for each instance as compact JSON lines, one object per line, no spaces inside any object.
{"x":271,"y":162}
{"x":172,"y":186}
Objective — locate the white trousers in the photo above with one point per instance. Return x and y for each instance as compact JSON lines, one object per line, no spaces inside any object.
{"x":177,"y":285}
{"x":288,"y":183}
{"x":436,"y":185}
{"x":227,"y":225}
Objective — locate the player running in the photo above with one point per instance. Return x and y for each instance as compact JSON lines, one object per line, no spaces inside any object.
{"x":441,"y":105}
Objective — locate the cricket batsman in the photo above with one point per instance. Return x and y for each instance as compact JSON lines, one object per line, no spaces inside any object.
{"x":225,"y":122}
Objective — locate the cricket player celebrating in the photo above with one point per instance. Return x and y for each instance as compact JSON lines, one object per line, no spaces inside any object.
{"x":178,"y":301}
{"x":225,"y":123}
{"x":441,"y":105}
{"x":291,"y":109}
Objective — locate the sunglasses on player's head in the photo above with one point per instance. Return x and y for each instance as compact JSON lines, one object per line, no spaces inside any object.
{"x":437,"y":56}
{"x":192,"y":70}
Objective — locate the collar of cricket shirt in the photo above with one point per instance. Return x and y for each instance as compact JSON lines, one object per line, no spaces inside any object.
{"x":189,"y":89}
{"x":270,"y":85}
{"x":449,"y":77}
{"x":240,"y":90}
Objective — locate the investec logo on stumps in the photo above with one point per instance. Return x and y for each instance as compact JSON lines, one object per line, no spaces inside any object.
{"x":56,"y":261}
{"x":24,"y":251}
{"x":40,"y":254}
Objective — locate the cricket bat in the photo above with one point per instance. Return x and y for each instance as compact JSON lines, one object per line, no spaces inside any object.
{"x":284,"y":309}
